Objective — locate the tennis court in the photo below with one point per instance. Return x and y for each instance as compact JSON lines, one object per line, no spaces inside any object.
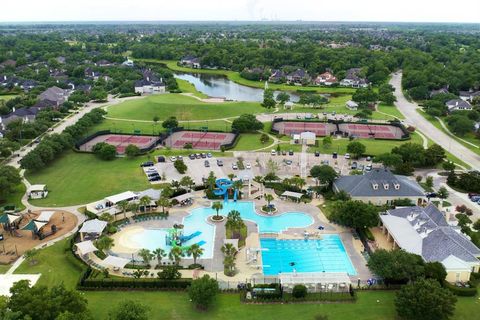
{"x":121,"y":141}
{"x":371,"y":131}
{"x":199,"y":140}
{"x":320,"y":129}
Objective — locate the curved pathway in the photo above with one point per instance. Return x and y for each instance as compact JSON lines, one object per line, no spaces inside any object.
{"x":408,"y":109}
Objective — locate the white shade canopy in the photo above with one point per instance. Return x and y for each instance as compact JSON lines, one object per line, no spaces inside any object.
{"x":13,"y":217}
{"x":292,"y":194}
{"x":93,"y":226}
{"x":127,"y":195}
{"x":39,"y":224}
{"x":183,"y":197}
{"x":116,"y":261}
{"x":45,"y":216}
{"x":36,"y":187}
{"x":86,"y":247}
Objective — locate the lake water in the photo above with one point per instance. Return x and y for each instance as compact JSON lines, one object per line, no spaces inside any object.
{"x":220,"y":87}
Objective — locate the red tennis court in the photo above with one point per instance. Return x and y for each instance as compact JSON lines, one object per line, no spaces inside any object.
{"x":320,"y":129}
{"x":121,"y":141}
{"x":199,"y":140}
{"x":371,"y":131}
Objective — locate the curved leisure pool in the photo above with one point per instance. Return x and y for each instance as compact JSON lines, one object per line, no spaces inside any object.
{"x":196,"y":221}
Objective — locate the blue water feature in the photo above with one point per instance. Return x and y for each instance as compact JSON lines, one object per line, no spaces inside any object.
{"x":325,"y":255}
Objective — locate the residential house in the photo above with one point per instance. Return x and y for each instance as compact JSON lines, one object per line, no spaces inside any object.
{"x":149,"y":87}
{"x":298,"y":76}
{"x":469,"y":95}
{"x":91,"y":74}
{"x":352,"y":105}
{"x":458,"y":104}
{"x":8,"y":63}
{"x":443,"y":90}
{"x":380,"y":186}
{"x":23,"y":114}
{"x":56,"y":95}
{"x":277,"y":76}
{"x":191,"y":61}
{"x":128,"y":63}
{"x":28,"y":85}
{"x":354,"y":80}
{"x":104,"y":63}
{"x":326,"y":78}
{"x":426,"y":232}
{"x":61,"y":60}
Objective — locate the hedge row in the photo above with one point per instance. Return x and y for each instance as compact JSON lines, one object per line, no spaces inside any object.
{"x":460,"y":291}
{"x":133,"y":284}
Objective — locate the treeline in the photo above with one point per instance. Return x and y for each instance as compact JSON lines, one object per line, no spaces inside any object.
{"x":54,"y":145}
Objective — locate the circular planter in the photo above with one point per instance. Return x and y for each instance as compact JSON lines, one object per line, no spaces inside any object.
{"x":211,"y":219}
{"x":269,"y":212}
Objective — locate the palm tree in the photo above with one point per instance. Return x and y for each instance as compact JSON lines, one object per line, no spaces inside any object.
{"x":187,"y":182}
{"x":231,"y":176}
{"x":176,"y":255}
{"x":145,"y":202}
{"x":124,"y":206}
{"x":146,"y":255}
{"x":259,"y":180}
{"x":104,"y":243}
{"x":237,"y":185}
{"x":234,"y":221}
{"x":159,"y":253}
{"x":301,"y":183}
{"x":175,"y":185}
{"x":269,"y":198}
{"x":106,"y":217}
{"x":211,"y":180}
{"x":164,"y":202}
{"x":229,"y":249}
{"x":217,"y":206}
{"x":134,"y":208}
{"x":195,"y":251}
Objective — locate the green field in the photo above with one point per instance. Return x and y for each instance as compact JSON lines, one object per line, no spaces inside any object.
{"x":15,"y":198}
{"x":250,"y":141}
{"x":7,"y":96}
{"x":391,"y":110}
{"x":235,"y":77}
{"x":58,"y":266}
{"x":187,"y":87}
{"x":180,"y":106}
{"x":4,"y":268}
{"x":77,"y":178}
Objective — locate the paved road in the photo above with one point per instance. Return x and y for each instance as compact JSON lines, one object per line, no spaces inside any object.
{"x":415,"y":119}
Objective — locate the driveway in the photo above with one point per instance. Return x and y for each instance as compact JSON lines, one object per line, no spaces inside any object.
{"x":408,"y":109}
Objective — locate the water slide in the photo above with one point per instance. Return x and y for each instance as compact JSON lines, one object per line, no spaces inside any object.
{"x":223,"y":185}
{"x":189,"y":237}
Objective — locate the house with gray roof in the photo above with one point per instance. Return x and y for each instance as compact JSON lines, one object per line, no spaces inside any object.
{"x":469,"y":95}
{"x":380,"y":186}
{"x":55,"y":94}
{"x":426,"y":232}
{"x":458,"y":104}
{"x":354,"y":80}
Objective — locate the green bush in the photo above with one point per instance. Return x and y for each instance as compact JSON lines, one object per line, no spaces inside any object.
{"x":460,"y":291}
{"x":299,"y":291}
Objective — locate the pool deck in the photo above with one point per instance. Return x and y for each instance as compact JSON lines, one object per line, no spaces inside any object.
{"x":248,"y":269}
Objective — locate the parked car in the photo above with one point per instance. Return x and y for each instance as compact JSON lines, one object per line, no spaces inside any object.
{"x":220,"y":163}
{"x":347,"y":155}
{"x":180,"y":158}
{"x":368,"y":167}
{"x":361,"y":167}
{"x":335,"y":155}
{"x":209,"y":155}
{"x":354,"y":165}
{"x":475,"y":198}
{"x":147,"y":164}
{"x":248,"y":166}
{"x":369,"y":158}
{"x":203,"y":155}
{"x":290,"y":152}
{"x":153,"y":175}
{"x":207,"y":164}
{"x":325,"y":162}
{"x":317,"y":153}
{"x":197,"y":156}
{"x":192,"y":156}
{"x":160,"y":159}
{"x":288,"y":162}
{"x":234,"y":166}
{"x":273,"y":152}
{"x":284,"y":153}
{"x":157,"y":178}
{"x":173,"y":158}
{"x":470,"y":195}
{"x":150,"y":169}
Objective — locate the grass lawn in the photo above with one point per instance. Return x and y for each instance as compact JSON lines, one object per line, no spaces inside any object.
{"x":250,"y":141}
{"x":77,"y":178}
{"x":7,"y":96}
{"x":391,"y":110}
{"x":235,"y":77}
{"x":15,"y":198}
{"x":180,"y":106}
{"x":186,"y":86}
{"x":4,"y":268}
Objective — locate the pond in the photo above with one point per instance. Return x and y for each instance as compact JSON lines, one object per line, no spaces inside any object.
{"x":219,"y":86}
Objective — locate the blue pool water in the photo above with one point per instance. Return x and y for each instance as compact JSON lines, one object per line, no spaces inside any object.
{"x":197,"y":221}
{"x":325,"y":255}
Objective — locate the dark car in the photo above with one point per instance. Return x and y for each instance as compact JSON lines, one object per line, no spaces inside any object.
{"x":290,"y":152}
{"x":207,"y":164}
{"x":147,"y":164}
{"x":153,"y":174}
{"x":160,"y":159}
{"x":317,"y":154}
{"x":203,"y":155}
{"x":284,"y":153}
{"x":431,"y":195}
{"x":220,"y":163}
{"x":157,"y":178}
{"x":335,"y":155}
{"x":192,"y":156}
{"x":471,"y":195}
{"x":354,"y":165}
{"x":197,"y":156}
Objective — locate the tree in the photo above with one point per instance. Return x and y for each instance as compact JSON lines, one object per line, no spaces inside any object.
{"x":364,"y":97}
{"x":235,"y":222}
{"x":327,"y":142}
{"x":132,"y":151}
{"x":442,"y":193}
{"x":203,"y":291}
{"x":187,"y":182}
{"x":229,"y":252}
{"x":159,"y":253}
{"x":170,"y":123}
{"x":146,"y":255}
{"x":389,"y":159}
{"x":104,"y":243}
{"x":211,"y":180}
{"x":429,"y":182}
{"x":123,"y":205}
{"x":130,"y":310}
{"x":104,"y":151}
{"x":9,"y":180}
{"x":195,"y":251}
{"x":264,"y":138}
{"x":356,"y":149}
{"x":412,"y":153}
{"x":299,"y":291}
{"x":42,"y":303}
{"x":176,"y":254}
{"x":397,"y":266}
{"x":269,"y":198}
{"x":425,"y":299}
{"x":180,"y":166}
{"x":435,"y":270}
{"x":434,"y":155}
{"x":324,"y":174}
{"x":272,"y":167}
{"x":217,"y":206}
{"x":283,"y":97}
{"x":164,"y":203}
{"x":169,"y":273}
{"x":246,"y":123}
{"x":268,"y":101}
{"x":355,"y":214}
{"x":448,"y":166}
{"x":30,"y":255}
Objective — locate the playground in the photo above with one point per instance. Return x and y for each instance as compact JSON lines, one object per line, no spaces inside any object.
{"x":121,"y":141}
{"x":202,"y":140}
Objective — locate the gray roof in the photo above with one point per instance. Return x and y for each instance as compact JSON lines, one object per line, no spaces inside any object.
{"x":55,"y":94}
{"x":387,"y":185}
{"x":458,"y":103}
{"x":151,"y":193}
{"x":425,"y":231}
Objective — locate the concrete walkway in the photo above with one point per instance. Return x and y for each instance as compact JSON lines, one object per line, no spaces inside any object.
{"x":409,"y":110}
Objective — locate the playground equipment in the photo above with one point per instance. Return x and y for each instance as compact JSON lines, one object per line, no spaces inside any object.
{"x":175,"y":238}
{"x":223,"y":187}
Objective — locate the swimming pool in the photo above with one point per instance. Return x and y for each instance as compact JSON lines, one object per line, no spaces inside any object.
{"x":196,"y":223}
{"x":325,"y":255}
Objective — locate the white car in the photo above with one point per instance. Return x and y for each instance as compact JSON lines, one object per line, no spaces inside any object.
{"x":248,"y":166}
{"x":173,"y":158}
{"x":234,"y":166}
{"x":273,"y":153}
{"x":347,"y":155}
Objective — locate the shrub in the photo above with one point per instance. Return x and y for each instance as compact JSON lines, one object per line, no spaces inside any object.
{"x":180,"y":166}
{"x":461,"y":291}
{"x":299,"y":291}
{"x":169,"y":273}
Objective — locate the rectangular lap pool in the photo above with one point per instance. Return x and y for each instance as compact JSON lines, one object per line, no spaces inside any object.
{"x":324,"y":255}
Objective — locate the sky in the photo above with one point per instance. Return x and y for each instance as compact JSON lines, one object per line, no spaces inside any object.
{"x":246,"y":10}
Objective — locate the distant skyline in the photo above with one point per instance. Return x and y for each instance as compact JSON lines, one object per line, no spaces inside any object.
{"x":242,"y":10}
